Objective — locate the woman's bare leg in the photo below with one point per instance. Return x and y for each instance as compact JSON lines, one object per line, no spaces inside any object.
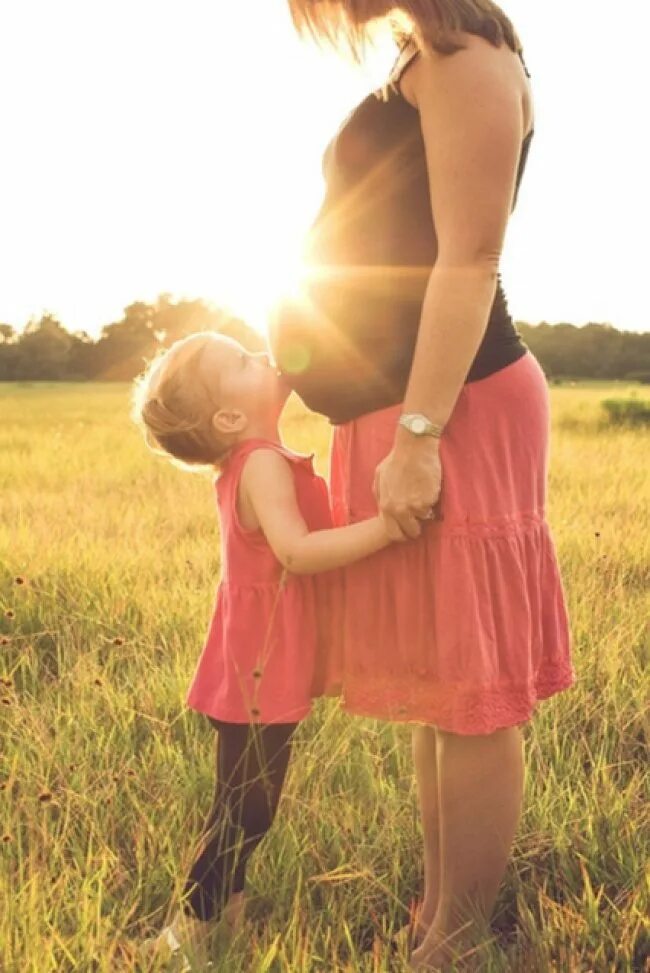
{"x":425,"y":759}
{"x":481,"y":781}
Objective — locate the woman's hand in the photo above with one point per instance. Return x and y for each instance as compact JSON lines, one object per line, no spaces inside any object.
{"x":407,"y":485}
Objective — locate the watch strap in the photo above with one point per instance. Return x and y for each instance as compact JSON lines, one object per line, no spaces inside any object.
{"x":420,"y":425}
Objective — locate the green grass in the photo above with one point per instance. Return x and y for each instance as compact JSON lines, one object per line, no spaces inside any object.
{"x":105,"y":776}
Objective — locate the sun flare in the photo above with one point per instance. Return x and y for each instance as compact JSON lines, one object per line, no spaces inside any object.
{"x":254,"y":299}
{"x":257,"y":270}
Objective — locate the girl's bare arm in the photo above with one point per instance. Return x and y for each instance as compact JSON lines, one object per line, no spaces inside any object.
{"x":267,"y":483}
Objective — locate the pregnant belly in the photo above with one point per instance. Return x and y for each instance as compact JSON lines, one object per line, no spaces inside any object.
{"x":348,"y":349}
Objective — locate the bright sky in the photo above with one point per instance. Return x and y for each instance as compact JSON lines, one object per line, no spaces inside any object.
{"x":175,"y":145}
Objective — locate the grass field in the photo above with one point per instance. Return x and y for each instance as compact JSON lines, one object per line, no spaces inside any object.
{"x":105,"y":776}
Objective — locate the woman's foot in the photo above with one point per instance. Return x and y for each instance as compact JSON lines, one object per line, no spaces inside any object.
{"x":438,"y":950}
{"x":411,"y":936}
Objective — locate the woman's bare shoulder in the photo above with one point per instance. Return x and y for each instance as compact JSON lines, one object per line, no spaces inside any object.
{"x":479,"y":62}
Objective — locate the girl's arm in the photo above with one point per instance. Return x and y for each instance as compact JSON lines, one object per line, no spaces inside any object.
{"x":267,"y":484}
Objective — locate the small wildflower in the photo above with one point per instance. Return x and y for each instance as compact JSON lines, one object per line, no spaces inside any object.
{"x":6,"y":701}
{"x":118,"y":641}
{"x":45,"y":796}
{"x":10,"y":613}
{"x":116,"y":776}
{"x":257,"y":673}
{"x":97,"y":682}
{"x":19,"y":580}
{"x":6,"y":838}
{"x":3,"y":785}
{"x":597,"y":533}
{"x":255,"y":711}
{"x":130,"y":772}
{"x":4,"y":640}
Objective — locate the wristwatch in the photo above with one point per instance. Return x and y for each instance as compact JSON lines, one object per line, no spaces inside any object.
{"x":419,"y":425}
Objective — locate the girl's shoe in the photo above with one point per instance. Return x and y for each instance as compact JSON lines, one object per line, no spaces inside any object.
{"x":185,"y":939}
{"x":233,"y":913}
{"x":183,"y":942}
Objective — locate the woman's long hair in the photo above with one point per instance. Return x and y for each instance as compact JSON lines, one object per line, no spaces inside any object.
{"x":436,"y":23}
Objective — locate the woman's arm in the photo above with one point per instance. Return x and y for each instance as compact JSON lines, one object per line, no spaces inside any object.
{"x":267,"y":483}
{"x":471,"y":116}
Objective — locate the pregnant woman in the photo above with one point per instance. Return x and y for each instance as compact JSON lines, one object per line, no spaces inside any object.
{"x":403,"y":339}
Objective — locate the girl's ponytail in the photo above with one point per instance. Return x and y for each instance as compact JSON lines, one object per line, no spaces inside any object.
{"x":173,"y":412}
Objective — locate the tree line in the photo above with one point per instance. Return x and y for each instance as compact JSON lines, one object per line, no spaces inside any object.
{"x":45,"y":350}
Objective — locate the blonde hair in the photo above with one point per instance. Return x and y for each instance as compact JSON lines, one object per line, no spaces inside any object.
{"x":435,"y":23}
{"x":173,"y":408}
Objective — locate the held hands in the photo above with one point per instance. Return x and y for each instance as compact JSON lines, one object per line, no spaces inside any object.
{"x":407,"y":486}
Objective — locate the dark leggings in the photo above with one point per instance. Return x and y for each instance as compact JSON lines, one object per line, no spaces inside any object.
{"x":252,"y":762}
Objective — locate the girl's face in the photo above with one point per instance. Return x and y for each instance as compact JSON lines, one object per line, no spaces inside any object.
{"x":242,"y":381}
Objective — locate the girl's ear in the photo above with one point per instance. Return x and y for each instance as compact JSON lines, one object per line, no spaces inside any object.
{"x":229,"y":421}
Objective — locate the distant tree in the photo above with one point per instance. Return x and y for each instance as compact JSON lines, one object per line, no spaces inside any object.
{"x":174,"y":321}
{"x":46,"y":350}
{"x":7,"y":334}
{"x":591,"y":351}
{"x":8,"y":352}
{"x":177,"y":320}
{"x":43,"y":349}
{"x":81,"y":356}
{"x":122,"y":346}
{"x":125,"y":346}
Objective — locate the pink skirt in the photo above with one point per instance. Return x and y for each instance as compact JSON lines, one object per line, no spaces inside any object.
{"x":466,"y":627}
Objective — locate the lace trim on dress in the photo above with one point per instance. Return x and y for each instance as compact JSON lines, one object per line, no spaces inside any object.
{"x":477,"y":711}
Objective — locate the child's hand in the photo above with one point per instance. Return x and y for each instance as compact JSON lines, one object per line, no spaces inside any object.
{"x":391,"y":529}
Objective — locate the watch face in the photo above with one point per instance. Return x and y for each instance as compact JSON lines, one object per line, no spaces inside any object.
{"x":418,"y":426}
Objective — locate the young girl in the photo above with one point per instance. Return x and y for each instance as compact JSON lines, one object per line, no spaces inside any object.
{"x":207,"y":403}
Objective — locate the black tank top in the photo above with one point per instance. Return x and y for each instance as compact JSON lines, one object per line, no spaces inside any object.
{"x":347,"y":348}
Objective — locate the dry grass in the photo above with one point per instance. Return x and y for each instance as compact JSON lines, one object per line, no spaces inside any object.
{"x":105,"y":775}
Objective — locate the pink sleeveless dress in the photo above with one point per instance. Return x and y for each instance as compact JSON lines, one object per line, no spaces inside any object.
{"x":263,"y":660}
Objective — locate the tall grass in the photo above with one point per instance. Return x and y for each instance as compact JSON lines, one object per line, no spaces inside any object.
{"x":108,"y":564}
